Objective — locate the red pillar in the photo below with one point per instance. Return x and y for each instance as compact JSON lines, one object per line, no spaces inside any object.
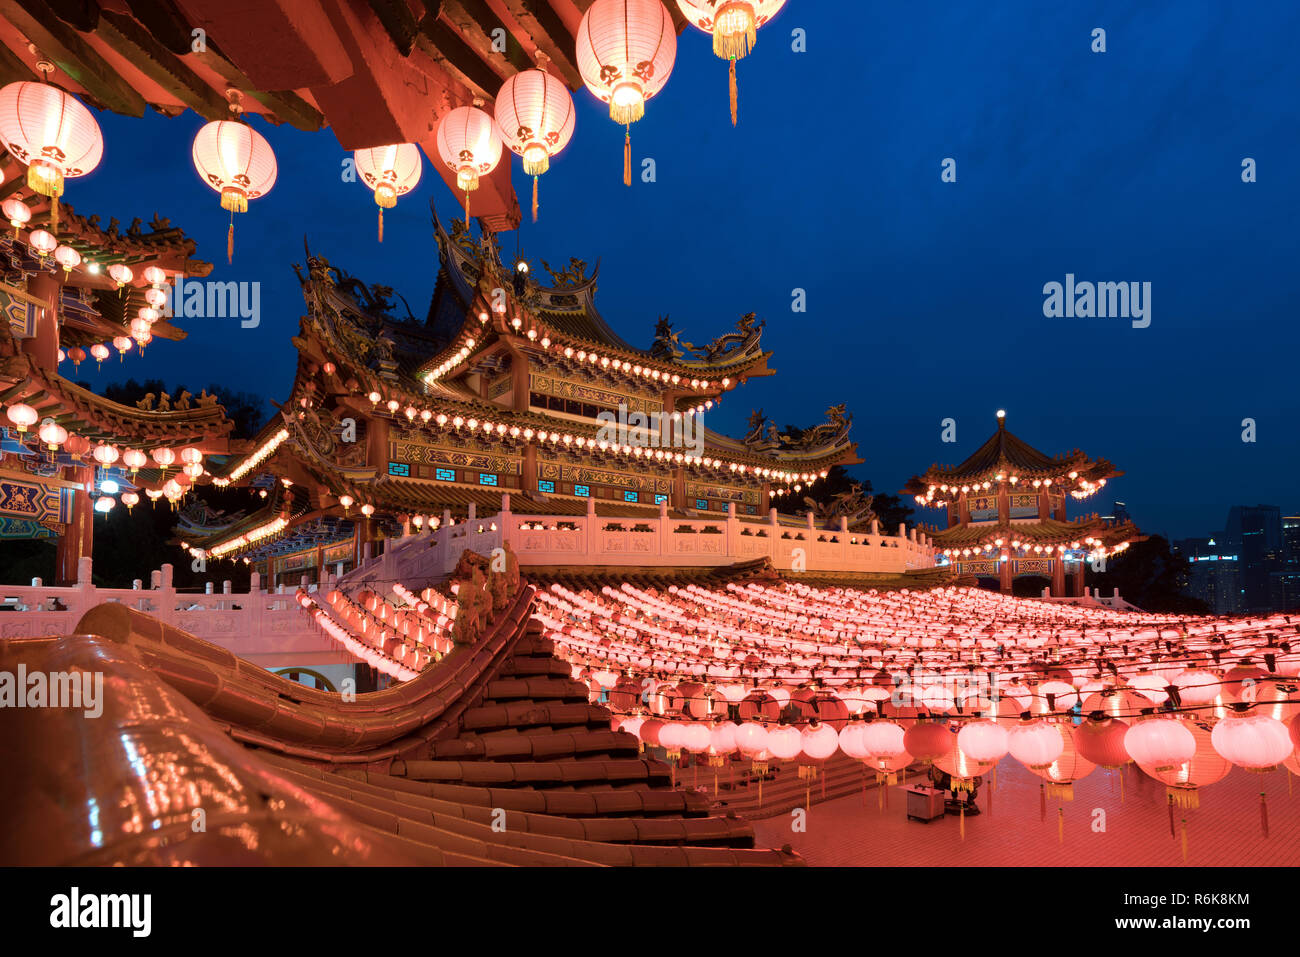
{"x":1058,"y":578}
{"x":44,"y":348}
{"x":1004,"y":573}
{"x":78,"y":538}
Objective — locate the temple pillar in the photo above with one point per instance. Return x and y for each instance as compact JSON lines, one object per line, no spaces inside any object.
{"x":1058,"y":578}
{"x":78,"y":538}
{"x":44,"y":347}
{"x":1004,"y":574}
{"x":377,"y":443}
{"x":1044,"y":505}
{"x":528,"y":469}
{"x":963,"y":505}
{"x":679,"y":488}
{"x":1077,"y":586}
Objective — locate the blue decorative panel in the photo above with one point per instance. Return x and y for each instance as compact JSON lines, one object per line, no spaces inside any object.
{"x":445,"y":475}
{"x":545,"y":486}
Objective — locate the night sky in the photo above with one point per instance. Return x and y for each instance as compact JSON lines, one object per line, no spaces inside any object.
{"x":925,"y":298}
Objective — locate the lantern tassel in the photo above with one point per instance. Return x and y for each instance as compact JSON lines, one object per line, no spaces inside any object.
{"x":1060,"y":825}
{"x":1121,"y":784}
{"x":1171,"y":816}
{"x":466,"y":209}
{"x":1042,"y":802}
{"x":54,"y":214}
{"x":733,"y":90}
{"x":381,"y":224}
{"x":627,"y":158}
{"x":534,"y":199}
{"x":963,"y":821}
{"x":230,"y":241}
{"x":1263,"y":813}
{"x":1184,"y":840}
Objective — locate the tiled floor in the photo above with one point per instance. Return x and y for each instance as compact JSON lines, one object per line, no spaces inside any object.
{"x":1224,"y":831}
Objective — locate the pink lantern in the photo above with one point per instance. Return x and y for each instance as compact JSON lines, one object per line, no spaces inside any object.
{"x":122,"y":344}
{"x":390,"y":171}
{"x":696,"y":737}
{"x":21,"y":415}
{"x":722,"y":737}
{"x":819,"y":741}
{"x":649,"y":731}
{"x":236,"y":161}
{"x":155,"y":276}
{"x":52,"y":434}
{"x":67,"y":257}
{"x":104,"y":504}
{"x":130,"y":500}
{"x":1035,"y":744}
{"x":672,"y":737}
{"x":784,"y":742}
{"x":751,"y":739}
{"x":51,"y":132}
{"x":173,"y":490}
{"x":1255,"y":742}
{"x":155,"y":297}
{"x":984,"y":742}
{"x":1054,"y":697}
{"x":1160,"y":743}
{"x":149,"y":314}
{"x":99,"y":351}
{"x":120,"y":273}
{"x":535,"y":115}
{"x":163,"y":456}
{"x":469,"y":145}
{"x":1241,"y":683}
{"x":1102,"y":742}
{"x":17,"y":212}
{"x":43,"y":242}
{"x":1151,"y":687}
{"x":105,"y":455}
{"x":626,"y":50}
{"x":140,"y":327}
{"x":733,"y":24}
{"x":191,"y":455}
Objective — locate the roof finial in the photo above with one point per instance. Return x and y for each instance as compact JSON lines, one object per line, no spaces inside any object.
{"x":1002,"y":418}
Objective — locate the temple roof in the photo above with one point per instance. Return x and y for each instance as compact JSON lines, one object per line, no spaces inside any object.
{"x":1048,"y":531}
{"x":1006,"y":455}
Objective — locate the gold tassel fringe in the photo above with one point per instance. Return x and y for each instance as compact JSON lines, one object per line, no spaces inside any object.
{"x":627,"y":159}
{"x":230,"y":242}
{"x":381,"y":224}
{"x":735,"y":94}
{"x":734,"y":46}
{"x":534,"y":199}
{"x":1060,"y":792}
{"x":1184,"y":797}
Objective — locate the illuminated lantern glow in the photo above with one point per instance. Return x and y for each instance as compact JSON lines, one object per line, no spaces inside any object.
{"x":120,"y":273}
{"x":100,"y":352}
{"x":163,"y":456}
{"x":784,"y":742}
{"x":1102,"y":742}
{"x":390,"y":172}
{"x":105,"y":455}
{"x":17,"y":212}
{"x":626,"y":51}
{"x":984,"y":742}
{"x":21,"y":415}
{"x":469,"y":145}
{"x":130,"y":500}
{"x":819,"y":741}
{"x":191,"y":455}
{"x":961,"y":767}
{"x":1199,"y":765}
{"x":51,"y":132}
{"x":1241,"y":683}
{"x":43,"y":242}
{"x":236,"y":161}
{"x":104,"y":504}
{"x":52,"y":434}
{"x":123,"y":345}
{"x":155,"y":276}
{"x":1160,"y":743}
{"x":1255,"y":742}
{"x":1196,"y":686}
{"x":733,"y":24}
{"x":1035,"y":744}
{"x":536,"y":118}
{"x":1068,"y":767}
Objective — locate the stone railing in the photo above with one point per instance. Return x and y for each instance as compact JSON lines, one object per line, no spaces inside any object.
{"x":268,"y":628}
{"x":651,"y":541}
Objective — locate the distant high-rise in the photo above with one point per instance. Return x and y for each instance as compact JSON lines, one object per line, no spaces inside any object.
{"x":1286,"y":581}
{"x":1214,"y":574}
{"x":1254,"y":534}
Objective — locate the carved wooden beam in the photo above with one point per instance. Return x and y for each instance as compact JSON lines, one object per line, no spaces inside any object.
{"x":134,"y":42}
{"x":551,"y":37}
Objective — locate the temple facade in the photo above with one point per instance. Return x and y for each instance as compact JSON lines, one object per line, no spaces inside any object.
{"x":1006,"y":509}
{"x":509,"y":386}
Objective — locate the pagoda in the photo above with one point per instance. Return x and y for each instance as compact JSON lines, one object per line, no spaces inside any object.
{"x":1007,"y":516}
{"x":508,"y":386}
{"x":62,"y":447}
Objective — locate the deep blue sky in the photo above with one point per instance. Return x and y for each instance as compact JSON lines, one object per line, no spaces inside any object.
{"x":924,"y":298}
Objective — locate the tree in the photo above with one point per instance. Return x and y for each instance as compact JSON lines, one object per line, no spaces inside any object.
{"x":1150,"y":576}
{"x":889,"y":509}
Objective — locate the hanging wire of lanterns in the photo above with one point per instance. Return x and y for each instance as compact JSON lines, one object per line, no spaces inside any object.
{"x":626,"y":51}
{"x":536,"y":117}
{"x":236,"y":161}
{"x":733,"y":24}
{"x":52,"y":132}
{"x":470,"y":146}
{"x":391,"y":171}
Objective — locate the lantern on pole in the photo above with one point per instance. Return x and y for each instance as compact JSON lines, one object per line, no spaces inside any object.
{"x":535,"y":115}
{"x":733,"y":24}
{"x":390,"y":171}
{"x":50,"y":131}
{"x":469,"y":145}
{"x":236,"y":161}
{"x":626,"y":50}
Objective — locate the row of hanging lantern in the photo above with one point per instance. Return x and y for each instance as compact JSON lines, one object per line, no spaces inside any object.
{"x":625,"y":53}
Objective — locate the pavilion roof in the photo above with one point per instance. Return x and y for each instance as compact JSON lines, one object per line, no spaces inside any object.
{"x":1048,"y":531}
{"x":1006,"y":454}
